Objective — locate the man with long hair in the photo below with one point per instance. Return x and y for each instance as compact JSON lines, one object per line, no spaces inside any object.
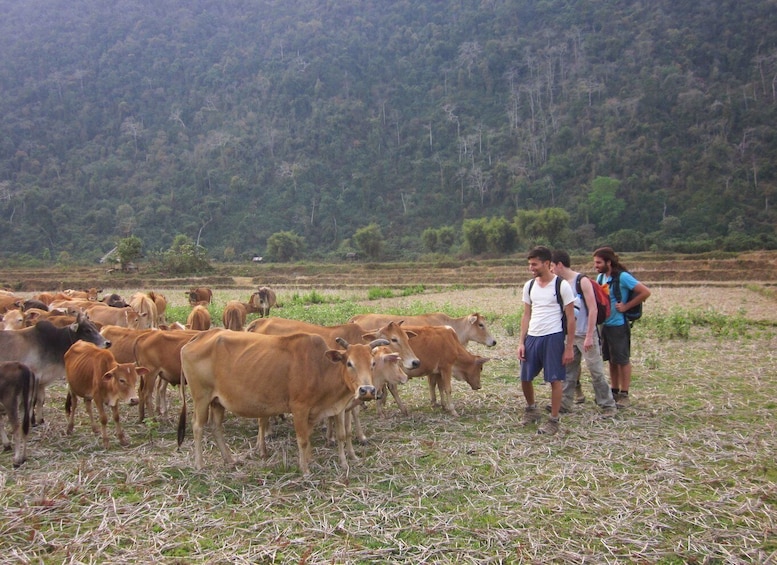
{"x":543,"y":344}
{"x":616,"y":331}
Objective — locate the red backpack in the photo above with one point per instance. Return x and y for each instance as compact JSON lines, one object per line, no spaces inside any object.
{"x":601,"y":296}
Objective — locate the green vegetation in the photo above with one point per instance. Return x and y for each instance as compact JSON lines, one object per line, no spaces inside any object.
{"x":649,"y":124}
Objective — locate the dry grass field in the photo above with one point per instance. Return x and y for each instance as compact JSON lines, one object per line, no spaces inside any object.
{"x":687,"y":474}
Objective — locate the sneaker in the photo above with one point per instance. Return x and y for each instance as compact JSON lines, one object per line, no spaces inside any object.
{"x":623,"y":401}
{"x":609,"y":412}
{"x":530,"y":416}
{"x":579,"y":396}
{"x":549,"y":428}
{"x":562,"y":410}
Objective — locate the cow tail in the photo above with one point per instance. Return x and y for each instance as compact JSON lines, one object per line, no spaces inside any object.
{"x":29,"y":396}
{"x":182,"y":417}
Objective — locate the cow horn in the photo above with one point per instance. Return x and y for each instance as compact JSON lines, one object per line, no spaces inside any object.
{"x":344,"y":344}
{"x":378,"y":342}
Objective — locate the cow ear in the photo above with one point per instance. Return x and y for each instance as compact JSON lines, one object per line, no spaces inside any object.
{"x":482,"y":360}
{"x":108,"y":376}
{"x":370,"y":336}
{"x":74,"y":326}
{"x":335,"y":356}
{"x":473,"y":319}
{"x":410,"y":334}
{"x":142,"y":371}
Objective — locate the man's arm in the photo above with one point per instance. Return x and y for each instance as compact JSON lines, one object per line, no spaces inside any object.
{"x":569,"y":348}
{"x":524,"y":330}
{"x":639,"y":294}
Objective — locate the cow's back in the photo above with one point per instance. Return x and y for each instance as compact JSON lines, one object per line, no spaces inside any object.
{"x":352,"y":333}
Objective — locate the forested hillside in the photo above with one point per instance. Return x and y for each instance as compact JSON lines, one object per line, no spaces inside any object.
{"x":230,"y":121}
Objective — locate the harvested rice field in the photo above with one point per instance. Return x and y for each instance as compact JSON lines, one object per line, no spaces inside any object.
{"x":686,"y":474}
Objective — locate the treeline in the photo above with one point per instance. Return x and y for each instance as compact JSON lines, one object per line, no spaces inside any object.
{"x":248,"y":125}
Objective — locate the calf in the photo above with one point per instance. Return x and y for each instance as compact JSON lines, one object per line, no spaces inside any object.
{"x":18,"y":386}
{"x":146,"y":308}
{"x":93,"y":374}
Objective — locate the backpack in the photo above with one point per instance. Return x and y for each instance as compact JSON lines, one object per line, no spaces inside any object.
{"x":558,"y":299}
{"x":632,"y":314}
{"x":602,"y":299}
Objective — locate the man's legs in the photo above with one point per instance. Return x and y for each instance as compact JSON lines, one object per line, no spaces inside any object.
{"x":602,"y":392}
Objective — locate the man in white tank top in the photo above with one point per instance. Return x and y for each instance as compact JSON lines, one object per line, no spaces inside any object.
{"x":546,"y":342}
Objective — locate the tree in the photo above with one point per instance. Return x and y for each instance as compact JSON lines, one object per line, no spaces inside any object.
{"x":502,"y":236}
{"x":547,"y":224}
{"x":474,"y":231}
{"x":370,"y":240}
{"x":185,"y":257}
{"x":604,"y":206}
{"x":285,"y":246}
{"x":128,"y":250}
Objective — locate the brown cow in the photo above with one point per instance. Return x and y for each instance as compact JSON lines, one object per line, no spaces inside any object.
{"x":10,"y":302}
{"x":104,"y":315}
{"x":18,"y":385}
{"x":234,"y":316}
{"x":262,"y":300}
{"x":442,"y":357}
{"x":351,"y":333}
{"x":143,"y":305}
{"x":123,"y":341}
{"x":198,"y":319}
{"x":42,"y":348}
{"x":89,"y":294}
{"x":467,"y":328}
{"x":160,"y":301}
{"x":93,"y":374}
{"x":200,"y":295}
{"x":160,"y":352}
{"x":259,"y":376}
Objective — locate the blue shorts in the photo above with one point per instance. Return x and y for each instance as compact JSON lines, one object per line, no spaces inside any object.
{"x":544,"y":353}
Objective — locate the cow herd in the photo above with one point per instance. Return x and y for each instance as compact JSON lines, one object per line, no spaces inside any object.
{"x":112,"y":351}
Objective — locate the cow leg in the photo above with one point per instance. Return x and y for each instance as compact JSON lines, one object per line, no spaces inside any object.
{"x":201,"y":412}
{"x":103,"y":421}
{"x":3,"y":434}
{"x":264,"y":430}
{"x":20,"y":441}
{"x":39,"y":402}
{"x":88,"y":404}
{"x":444,"y":384}
{"x":217,"y":415}
{"x":353,"y":414}
{"x":70,"y":405}
{"x":395,"y":393}
{"x":161,"y":397}
{"x":146,"y":392}
{"x":119,"y":431}
{"x":432,"y":382}
{"x":302,"y":429}
{"x":343,"y":438}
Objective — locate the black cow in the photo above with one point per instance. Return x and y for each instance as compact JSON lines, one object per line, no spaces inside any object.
{"x":42,"y":348}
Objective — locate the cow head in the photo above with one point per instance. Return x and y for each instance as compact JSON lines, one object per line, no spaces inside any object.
{"x":357,"y":369}
{"x":399,"y":342}
{"x":122,"y":383}
{"x":470,"y":370}
{"x":478,"y":331}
